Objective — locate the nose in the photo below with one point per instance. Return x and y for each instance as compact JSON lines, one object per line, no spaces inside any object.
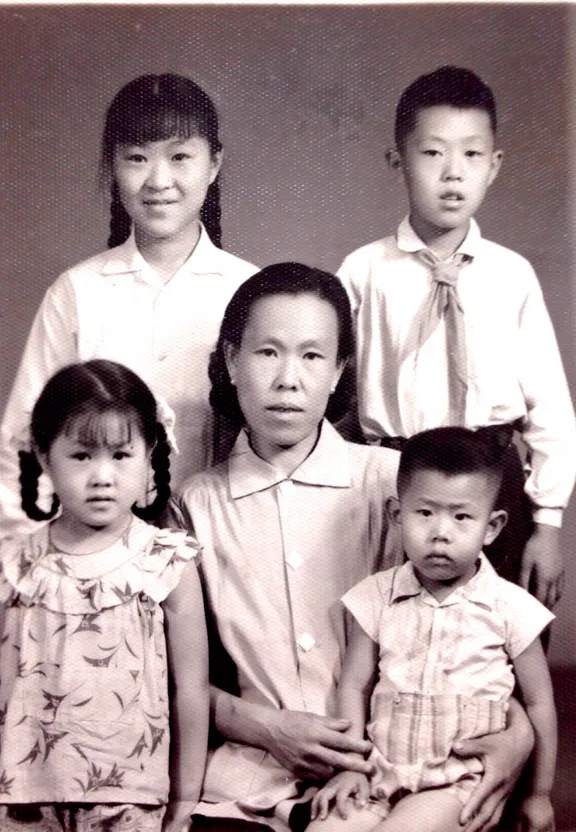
{"x":453,"y":167}
{"x":102,"y":471}
{"x":159,"y":175}
{"x":287,"y":377}
{"x":442,"y":528}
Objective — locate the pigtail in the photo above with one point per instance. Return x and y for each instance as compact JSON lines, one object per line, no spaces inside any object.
{"x":212,"y":212}
{"x":30,"y":471}
{"x":160,"y":461}
{"x":120,"y":222}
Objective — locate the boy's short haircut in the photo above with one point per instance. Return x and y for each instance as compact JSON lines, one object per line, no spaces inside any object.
{"x":452,"y":451}
{"x":448,"y":85}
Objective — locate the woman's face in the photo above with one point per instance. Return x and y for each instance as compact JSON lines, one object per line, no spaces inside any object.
{"x":285,"y":369}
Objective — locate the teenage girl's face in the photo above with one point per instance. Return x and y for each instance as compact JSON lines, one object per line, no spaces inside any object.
{"x":98,"y":483}
{"x":163,"y":185}
{"x":285,"y":369}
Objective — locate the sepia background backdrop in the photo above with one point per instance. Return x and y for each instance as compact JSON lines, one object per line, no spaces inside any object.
{"x":306,"y":97}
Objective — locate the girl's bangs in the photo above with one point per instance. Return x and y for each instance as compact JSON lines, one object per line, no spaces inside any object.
{"x":109,"y":428}
{"x":156,"y":122}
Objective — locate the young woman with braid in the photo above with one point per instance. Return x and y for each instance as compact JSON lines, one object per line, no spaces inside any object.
{"x":97,"y":610}
{"x":155,"y":300}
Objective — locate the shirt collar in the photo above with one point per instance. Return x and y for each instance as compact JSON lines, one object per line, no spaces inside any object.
{"x":127,"y":259}
{"x":407,"y":239}
{"x":327,"y":465}
{"x":480,"y":589}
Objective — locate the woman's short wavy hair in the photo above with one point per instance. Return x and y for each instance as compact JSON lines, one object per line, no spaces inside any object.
{"x":281,"y":279}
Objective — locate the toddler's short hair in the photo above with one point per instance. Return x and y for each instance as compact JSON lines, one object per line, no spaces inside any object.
{"x":453,"y":86}
{"x":452,"y":451}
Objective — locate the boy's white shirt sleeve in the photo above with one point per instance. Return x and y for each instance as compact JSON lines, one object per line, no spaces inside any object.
{"x":51,"y":344}
{"x":524,"y":616}
{"x":550,"y":427}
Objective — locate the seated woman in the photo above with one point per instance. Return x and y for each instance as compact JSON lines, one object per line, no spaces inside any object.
{"x":292,"y":520}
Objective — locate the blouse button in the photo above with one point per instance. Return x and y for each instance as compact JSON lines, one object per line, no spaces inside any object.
{"x":306,"y":642}
{"x":294,"y":560}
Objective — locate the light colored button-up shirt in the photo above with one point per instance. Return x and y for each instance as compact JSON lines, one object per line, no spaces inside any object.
{"x":514,"y":366}
{"x":461,"y":645}
{"x":115,"y":306}
{"x":444,"y":668}
{"x":277,"y":555}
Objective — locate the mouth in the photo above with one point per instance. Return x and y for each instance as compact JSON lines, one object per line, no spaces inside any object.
{"x":98,"y":501}
{"x":284,"y":408}
{"x":158,"y":203}
{"x":452,"y":198}
{"x":439,"y":558}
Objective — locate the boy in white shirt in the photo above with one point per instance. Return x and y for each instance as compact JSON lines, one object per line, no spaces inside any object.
{"x":452,"y":329}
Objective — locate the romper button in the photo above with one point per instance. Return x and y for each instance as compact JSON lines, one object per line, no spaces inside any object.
{"x":397,"y":699}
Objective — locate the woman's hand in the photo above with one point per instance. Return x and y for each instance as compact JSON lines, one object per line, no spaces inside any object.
{"x":313,"y":746}
{"x":503,"y":755}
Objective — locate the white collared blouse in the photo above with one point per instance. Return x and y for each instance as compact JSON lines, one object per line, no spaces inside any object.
{"x":115,"y":306}
{"x":278,"y":553}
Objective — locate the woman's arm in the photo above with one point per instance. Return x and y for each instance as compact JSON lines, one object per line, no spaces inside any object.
{"x":309,"y":745}
{"x":504,"y":756}
{"x":187,"y":645}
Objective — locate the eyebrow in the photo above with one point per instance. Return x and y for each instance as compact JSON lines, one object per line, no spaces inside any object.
{"x":277,"y":343}
{"x":471,"y":138}
{"x":454,"y":506}
{"x":91,"y":445}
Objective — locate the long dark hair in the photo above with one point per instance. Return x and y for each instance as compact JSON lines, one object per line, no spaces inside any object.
{"x":281,"y":279}
{"x":152,"y":108}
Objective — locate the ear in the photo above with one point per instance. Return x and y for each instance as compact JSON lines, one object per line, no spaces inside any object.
{"x":337,"y":375}
{"x":231,"y":356}
{"x":496,"y":523}
{"x":216,"y":162}
{"x":393,"y":510}
{"x":393,"y":159}
{"x":497,"y":158}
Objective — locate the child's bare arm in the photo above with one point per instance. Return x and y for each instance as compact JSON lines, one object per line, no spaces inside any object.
{"x":357,"y":680}
{"x":533,"y":678}
{"x":354,"y":690}
{"x":187,"y":645}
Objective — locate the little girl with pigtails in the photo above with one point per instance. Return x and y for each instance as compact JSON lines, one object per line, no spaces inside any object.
{"x":103,"y":644}
{"x":155,"y":299}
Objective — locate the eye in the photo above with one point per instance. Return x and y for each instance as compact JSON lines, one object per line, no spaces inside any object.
{"x":267,"y":352}
{"x":473,"y":154}
{"x":181,"y":156}
{"x":135,"y":157}
{"x":429,"y":151}
{"x":118,"y":455}
{"x":424,"y":512}
{"x":461,"y":516}
{"x":312,"y":355}
{"x":80,"y":456}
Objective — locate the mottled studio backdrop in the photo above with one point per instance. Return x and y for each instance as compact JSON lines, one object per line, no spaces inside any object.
{"x":306,"y":97}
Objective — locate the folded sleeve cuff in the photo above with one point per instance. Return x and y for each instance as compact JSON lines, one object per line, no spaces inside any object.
{"x":548,"y":516}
